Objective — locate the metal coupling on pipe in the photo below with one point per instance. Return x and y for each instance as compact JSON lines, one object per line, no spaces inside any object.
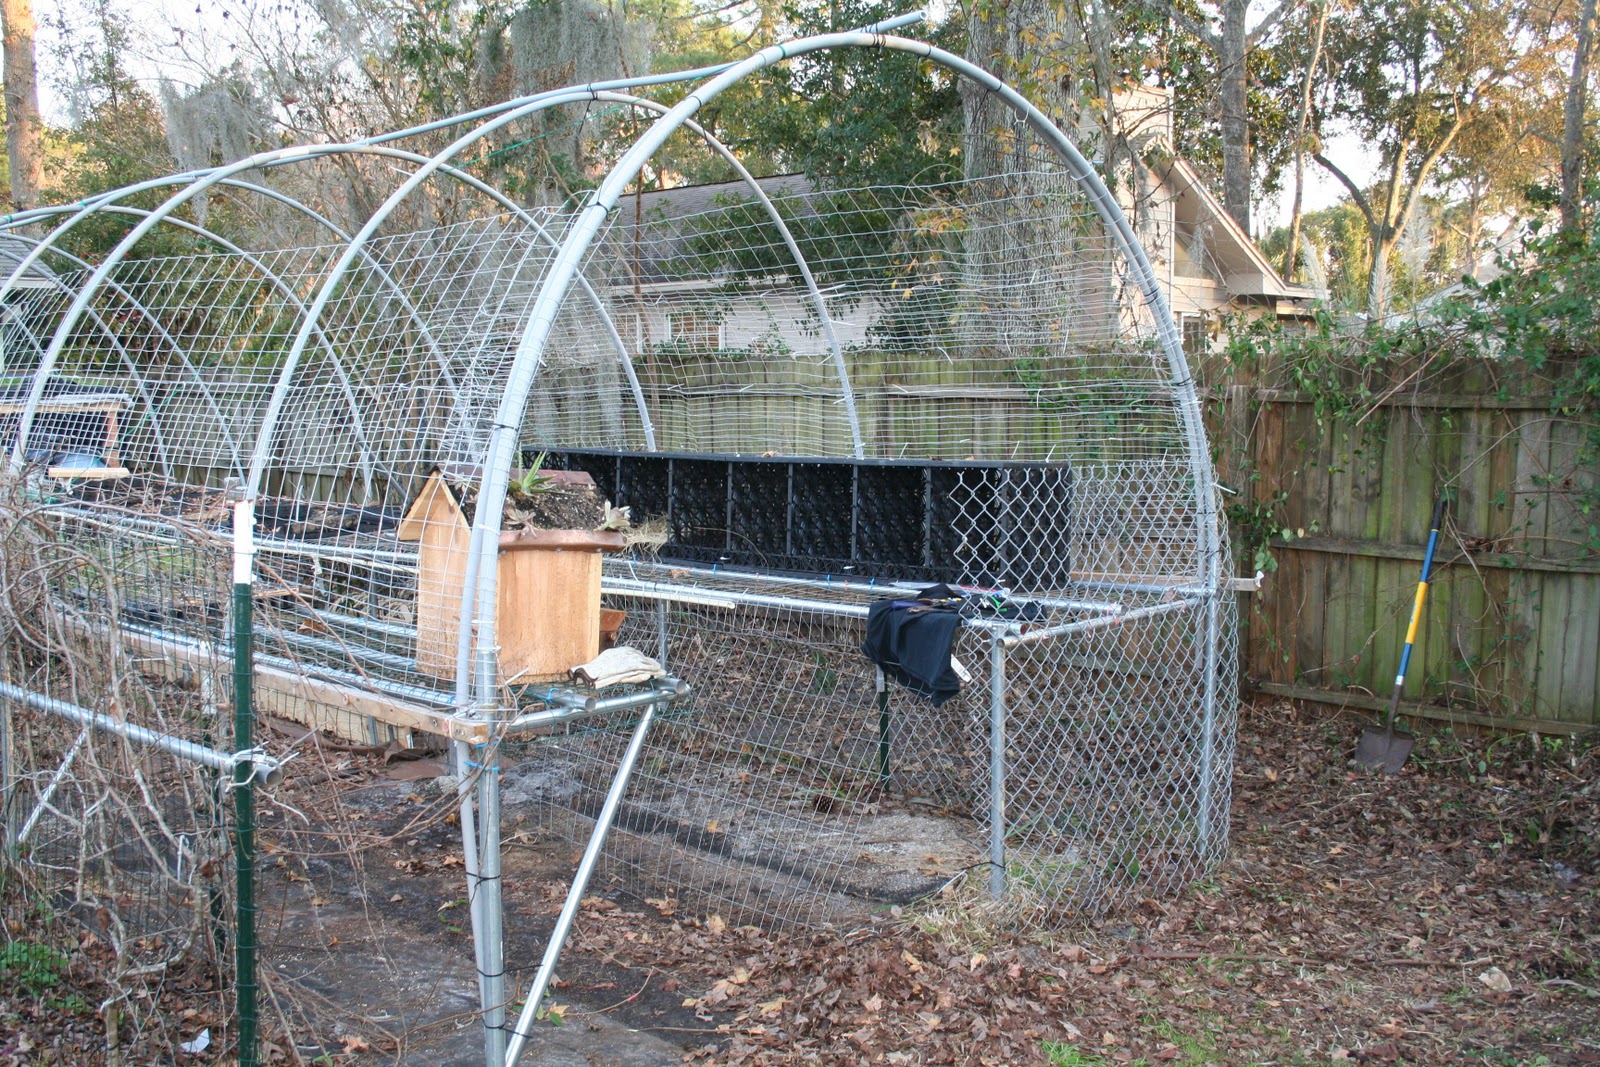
{"x":264,"y":769}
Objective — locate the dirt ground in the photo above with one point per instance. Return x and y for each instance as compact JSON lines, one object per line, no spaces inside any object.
{"x":1450,"y":915}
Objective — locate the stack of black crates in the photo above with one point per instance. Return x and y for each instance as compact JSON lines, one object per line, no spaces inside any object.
{"x":960,"y":521}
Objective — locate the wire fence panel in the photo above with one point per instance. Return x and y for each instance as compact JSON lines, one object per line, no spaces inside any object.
{"x":734,"y":426}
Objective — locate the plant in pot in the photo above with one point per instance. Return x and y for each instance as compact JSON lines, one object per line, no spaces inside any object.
{"x":554,"y":527}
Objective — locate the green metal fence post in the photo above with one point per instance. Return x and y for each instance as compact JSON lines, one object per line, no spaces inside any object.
{"x":244,"y":941}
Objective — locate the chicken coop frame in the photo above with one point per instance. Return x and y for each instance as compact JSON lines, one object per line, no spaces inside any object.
{"x":1037,"y":450}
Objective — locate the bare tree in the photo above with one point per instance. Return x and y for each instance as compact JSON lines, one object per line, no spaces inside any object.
{"x":22,"y":103}
{"x":1572,"y":122}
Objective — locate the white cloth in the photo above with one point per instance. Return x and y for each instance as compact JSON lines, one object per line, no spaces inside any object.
{"x":618,"y":666}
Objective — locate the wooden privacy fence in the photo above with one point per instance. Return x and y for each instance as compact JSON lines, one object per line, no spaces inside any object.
{"x":1511,"y":635}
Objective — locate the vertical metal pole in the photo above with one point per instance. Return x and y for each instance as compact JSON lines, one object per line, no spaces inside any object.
{"x":997,"y":768}
{"x":883,"y":729}
{"x":1208,"y":721}
{"x":488,"y":898}
{"x":244,"y":941}
{"x":469,"y":855}
{"x":7,"y":770}
{"x":580,"y":882}
{"x":661,"y":633}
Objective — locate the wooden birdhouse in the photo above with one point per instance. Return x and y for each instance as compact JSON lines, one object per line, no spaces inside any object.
{"x":548,"y":599}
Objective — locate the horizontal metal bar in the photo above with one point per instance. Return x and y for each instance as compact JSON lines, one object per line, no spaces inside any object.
{"x":421,"y":694}
{"x":568,"y":705}
{"x":873,"y":586}
{"x":400,"y":561}
{"x":692,"y":594}
{"x":355,"y":622}
{"x":660,"y":591}
{"x":1138,"y":587}
{"x":265,"y":769}
{"x":355,"y":653}
{"x":1050,"y":632}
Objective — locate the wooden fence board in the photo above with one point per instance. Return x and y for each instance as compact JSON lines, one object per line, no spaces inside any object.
{"x":1578,"y":660}
{"x":1512,"y":629}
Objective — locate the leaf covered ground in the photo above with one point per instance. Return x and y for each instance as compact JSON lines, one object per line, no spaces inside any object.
{"x":1450,"y":915}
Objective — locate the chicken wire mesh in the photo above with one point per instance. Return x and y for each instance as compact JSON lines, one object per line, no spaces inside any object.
{"x":812,"y":394}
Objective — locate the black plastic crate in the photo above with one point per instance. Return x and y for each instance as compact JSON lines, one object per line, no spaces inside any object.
{"x":971,"y":522}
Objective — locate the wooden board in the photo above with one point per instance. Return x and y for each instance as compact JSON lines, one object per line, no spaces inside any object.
{"x":314,"y":702}
{"x":549,"y":612}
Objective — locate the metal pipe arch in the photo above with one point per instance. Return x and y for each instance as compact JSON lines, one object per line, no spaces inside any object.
{"x":101,"y":273}
{"x":106,"y":203}
{"x":206,"y":180}
{"x":581,"y":233}
{"x":437,"y":163}
{"x":603,"y":201}
{"x":274,"y":279}
{"x":122,"y":351}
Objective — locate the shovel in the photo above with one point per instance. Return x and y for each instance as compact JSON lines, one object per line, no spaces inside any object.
{"x":1386,"y":748}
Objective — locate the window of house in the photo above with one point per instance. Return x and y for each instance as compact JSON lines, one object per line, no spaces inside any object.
{"x":696,"y":331}
{"x":1196,"y":338}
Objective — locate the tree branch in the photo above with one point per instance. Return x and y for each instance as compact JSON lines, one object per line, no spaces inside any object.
{"x":1428,"y":163}
{"x":1209,"y":37}
{"x":1265,"y":26}
{"x":1344,"y":179}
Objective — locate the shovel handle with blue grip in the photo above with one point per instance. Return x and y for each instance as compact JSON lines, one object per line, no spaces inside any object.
{"x":1416,"y":608}
{"x":1385,"y":749}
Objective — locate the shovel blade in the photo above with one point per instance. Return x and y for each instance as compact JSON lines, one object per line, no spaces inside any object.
{"x":1383,"y":749}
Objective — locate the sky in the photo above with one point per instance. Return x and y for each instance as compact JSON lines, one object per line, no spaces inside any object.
{"x":1352,"y":154}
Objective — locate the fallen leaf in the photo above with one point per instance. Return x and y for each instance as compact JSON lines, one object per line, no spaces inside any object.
{"x":353,"y":1044}
{"x":1496,"y":980}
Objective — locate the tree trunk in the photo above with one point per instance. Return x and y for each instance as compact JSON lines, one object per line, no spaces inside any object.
{"x":998,"y":41}
{"x":22,"y":103}
{"x":1292,"y":255}
{"x":1378,"y":282}
{"x":1234,"y":97}
{"x":1572,"y":123}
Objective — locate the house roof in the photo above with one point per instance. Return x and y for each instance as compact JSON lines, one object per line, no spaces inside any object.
{"x":13,"y":250}
{"x":654,"y":229}
{"x":664,"y":221}
{"x":1245,"y":270}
